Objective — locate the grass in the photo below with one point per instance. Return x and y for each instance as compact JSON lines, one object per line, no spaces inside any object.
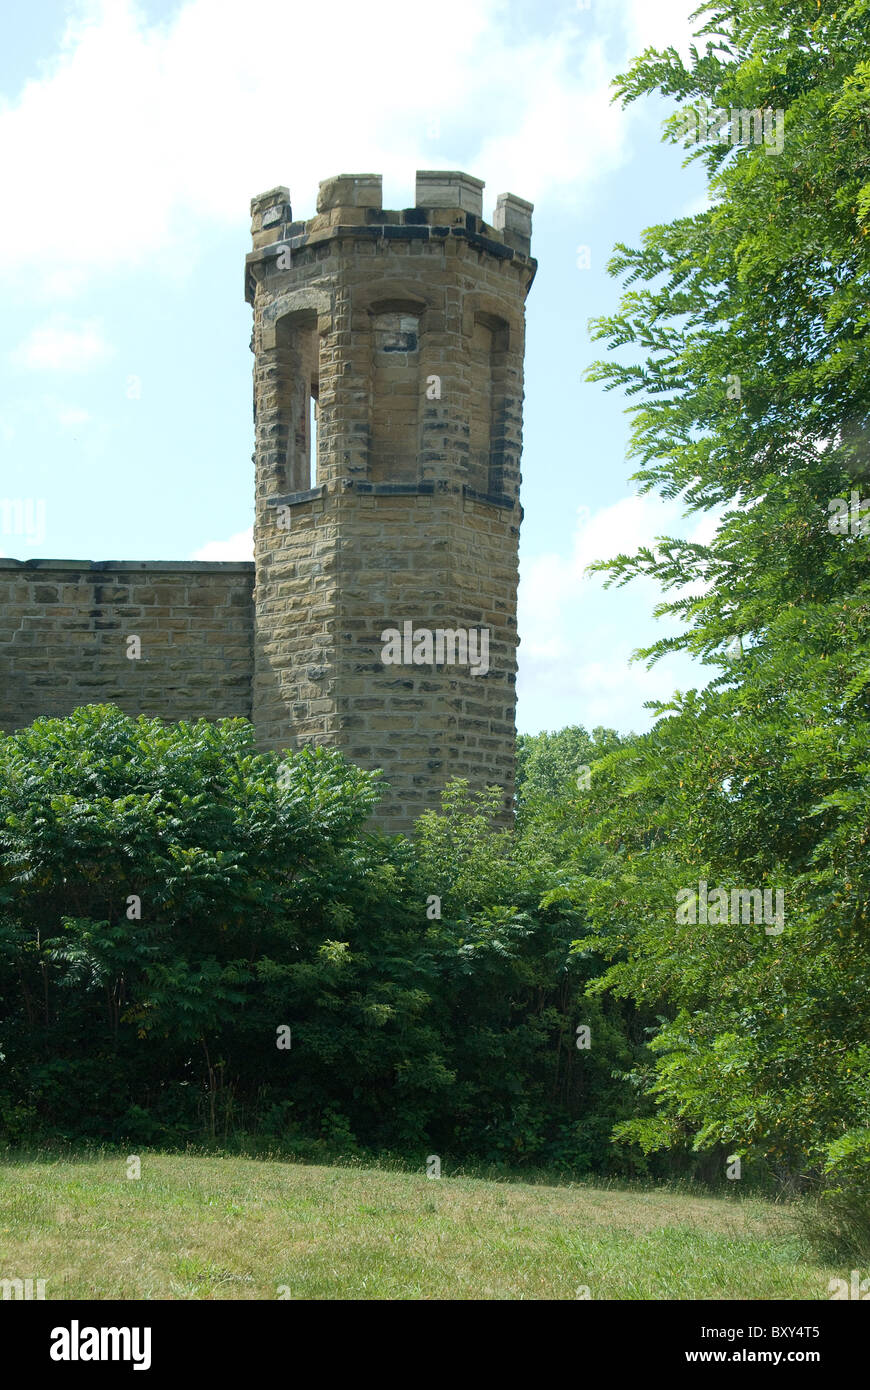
{"x":197,"y":1226}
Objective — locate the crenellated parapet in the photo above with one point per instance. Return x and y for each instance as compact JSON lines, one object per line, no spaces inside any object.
{"x":388,"y":386}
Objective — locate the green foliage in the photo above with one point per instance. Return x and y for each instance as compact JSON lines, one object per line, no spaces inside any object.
{"x":554,"y":765}
{"x":266,"y":903}
{"x":241,"y":876}
{"x":511,"y":995}
{"x":170,"y":899}
{"x":837,"y":1225}
{"x":761,"y":781}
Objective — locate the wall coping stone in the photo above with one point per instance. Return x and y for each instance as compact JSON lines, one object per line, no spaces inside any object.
{"x":135,"y":566}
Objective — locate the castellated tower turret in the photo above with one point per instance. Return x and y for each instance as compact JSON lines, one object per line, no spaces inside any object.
{"x":388,"y":387}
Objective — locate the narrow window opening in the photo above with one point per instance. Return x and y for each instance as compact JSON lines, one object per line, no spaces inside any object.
{"x":488,"y":422}
{"x":296,"y":384}
{"x":395,"y":394}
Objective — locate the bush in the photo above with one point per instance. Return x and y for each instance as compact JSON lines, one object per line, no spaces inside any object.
{"x":170,"y":899}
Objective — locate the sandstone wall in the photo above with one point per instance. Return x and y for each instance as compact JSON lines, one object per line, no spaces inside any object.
{"x":64,"y":626}
{"x":399,"y":335}
{"x":407,"y":329}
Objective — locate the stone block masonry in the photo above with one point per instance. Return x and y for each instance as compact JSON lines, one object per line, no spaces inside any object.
{"x":402,"y":334}
{"x":388,"y":389}
{"x":64,"y":626}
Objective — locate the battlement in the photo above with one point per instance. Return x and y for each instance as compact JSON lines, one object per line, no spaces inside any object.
{"x":447,"y":204}
{"x":388,"y":384}
{"x":388,"y":403}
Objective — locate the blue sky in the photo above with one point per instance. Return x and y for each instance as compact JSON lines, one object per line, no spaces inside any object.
{"x":131,"y":141}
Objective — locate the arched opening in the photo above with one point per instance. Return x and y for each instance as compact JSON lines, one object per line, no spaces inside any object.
{"x":395,"y":393}
{"x":488,"y":353}
{"x":297,"y":381}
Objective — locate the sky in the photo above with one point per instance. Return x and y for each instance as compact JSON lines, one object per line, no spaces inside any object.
{"x":132,"y":138}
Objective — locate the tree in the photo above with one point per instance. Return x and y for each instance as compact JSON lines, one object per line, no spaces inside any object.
{"x":754,"y":377}
{"x":550,"y":765}
{"x":196,"y":938}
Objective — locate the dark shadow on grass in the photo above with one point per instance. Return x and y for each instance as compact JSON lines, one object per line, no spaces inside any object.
{"x":312,"y":1154}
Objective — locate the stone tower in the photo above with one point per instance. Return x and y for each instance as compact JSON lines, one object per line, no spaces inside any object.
{"x":388,"y":388}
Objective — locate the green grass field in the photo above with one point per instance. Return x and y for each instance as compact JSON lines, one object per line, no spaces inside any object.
{"x":209,"y":1227}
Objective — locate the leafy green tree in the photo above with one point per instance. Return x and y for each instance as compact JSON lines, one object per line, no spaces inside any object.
{"x":511,"y":995}
{"x":196,"y":938}
{"x":550,"y":765}
{"x":169,"y":898}
{"x":748,"y":329}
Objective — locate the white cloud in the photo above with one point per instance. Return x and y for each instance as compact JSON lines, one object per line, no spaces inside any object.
{"x":62,"y":345}
{"x":146,"y":133}
{"x":576,"y":643}
{"x":550,"y":584}
{"x":697,"y":205}
{"x":71,"y":415}
{"x":237,"y":547}
{"x":664,"y":24}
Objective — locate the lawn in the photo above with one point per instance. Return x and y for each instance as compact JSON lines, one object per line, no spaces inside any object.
{"x":218,"y":1227}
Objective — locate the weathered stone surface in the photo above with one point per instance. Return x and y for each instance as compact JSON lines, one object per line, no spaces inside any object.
{"x":404,"y":331}
{"x":416,"y":365}
{"x":441,"y":188}
{"x":194,"y":620}
{"x":513,"y":218}
{"x":350,"y":191}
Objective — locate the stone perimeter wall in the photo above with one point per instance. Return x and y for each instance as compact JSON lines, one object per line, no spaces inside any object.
{"x":64,"y":626}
